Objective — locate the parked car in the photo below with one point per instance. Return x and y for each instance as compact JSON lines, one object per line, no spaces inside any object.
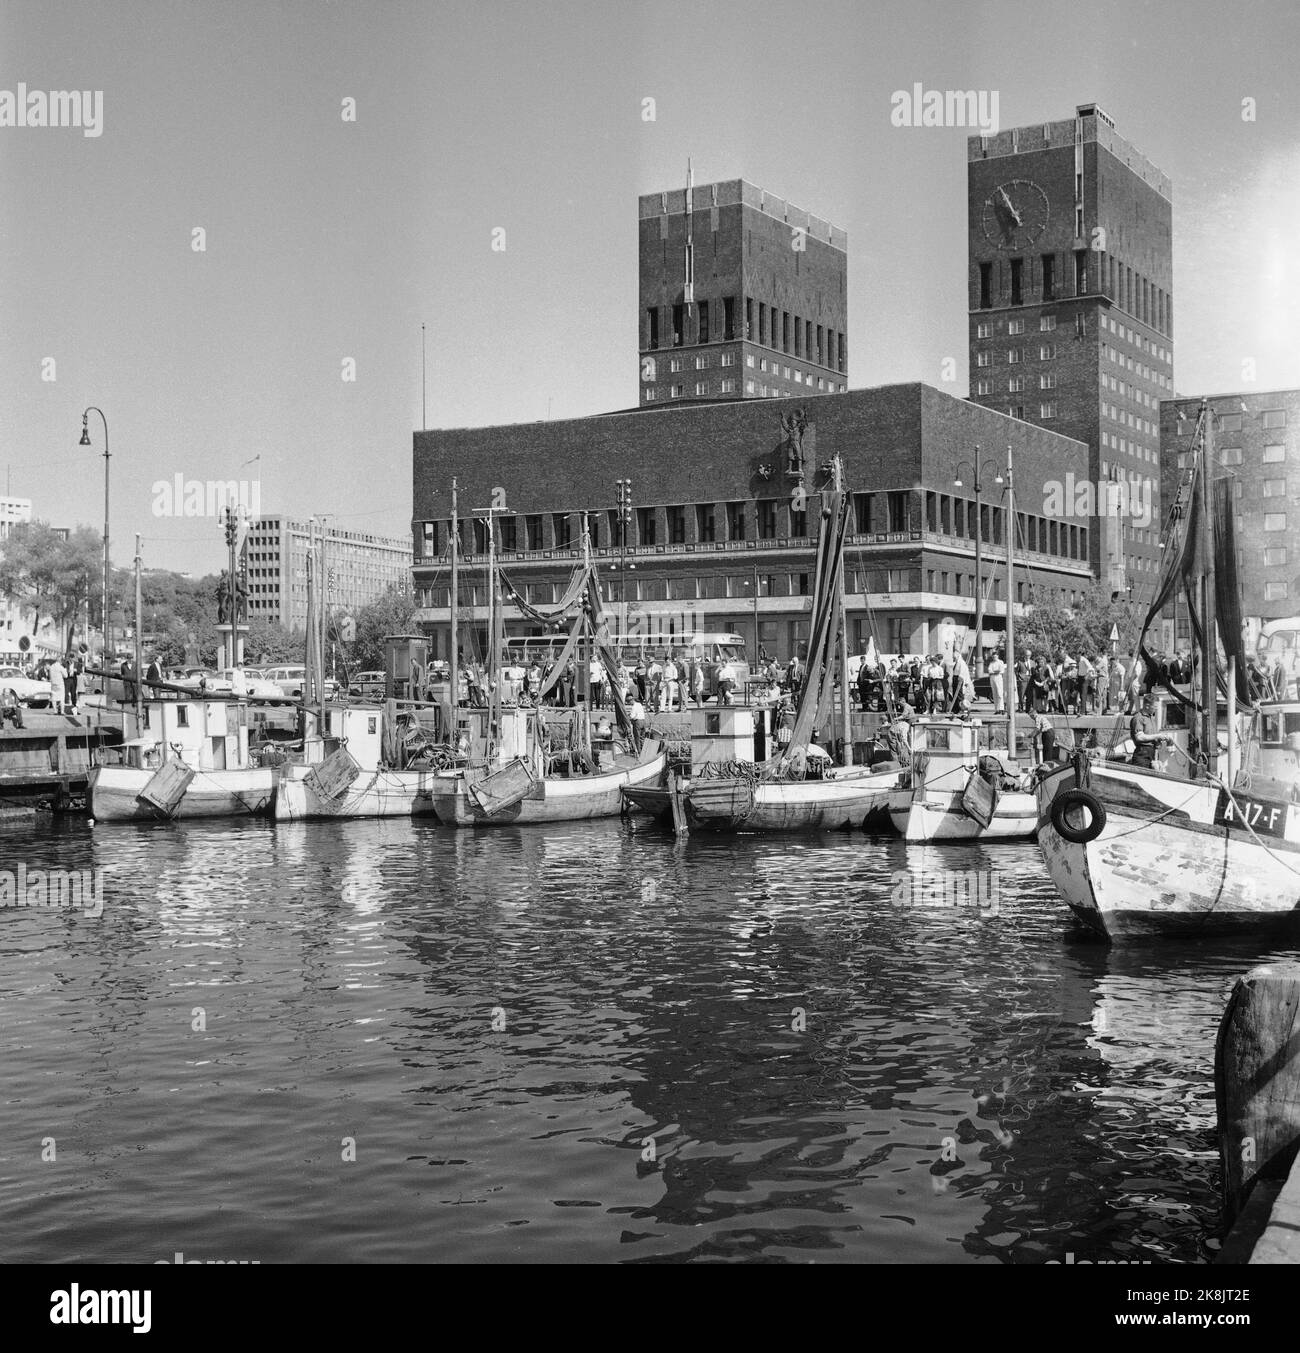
{"x":26,"y":690}
{"x":368,"y":685}
{"x":249,"y":683}
{"x":290,"y":680}
{"x":206,"y":680}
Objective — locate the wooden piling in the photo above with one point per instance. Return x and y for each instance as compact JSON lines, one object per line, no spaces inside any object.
{"x":1257,"y":1088}
{"x":680,"y":825}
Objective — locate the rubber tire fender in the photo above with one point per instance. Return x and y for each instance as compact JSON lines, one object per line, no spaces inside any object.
{"x":1078,"y":798}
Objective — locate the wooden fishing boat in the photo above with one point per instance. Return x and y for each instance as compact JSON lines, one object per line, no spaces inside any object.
{"x":190,"y":759}
{"x":1138,"y":850}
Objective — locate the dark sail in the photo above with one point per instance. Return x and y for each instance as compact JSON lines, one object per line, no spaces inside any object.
{"x":1227,"y":586}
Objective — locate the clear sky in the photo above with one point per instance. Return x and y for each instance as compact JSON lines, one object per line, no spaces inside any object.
{"x":328,"y":239}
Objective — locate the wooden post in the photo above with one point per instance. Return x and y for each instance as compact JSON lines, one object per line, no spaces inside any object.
{"x":680,"y":825}
{"x":1257,"y":1081}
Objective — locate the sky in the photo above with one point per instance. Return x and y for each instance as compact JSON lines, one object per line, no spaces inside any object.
{"x":330,"y":240}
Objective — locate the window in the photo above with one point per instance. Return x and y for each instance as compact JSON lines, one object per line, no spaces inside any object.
{"x":701,"y":387}
{"x":1230,"y":455}
{"x":509,"y":534}
{"x":1049,"y":285}
{"x":676,"y":525}
{"x":645,"y":526}
{"x":735,"y":521}
{"x":749,"y":387}
{"x":705,"y":527}
{"x":1275,"y":488}
{"x":1047,"y":381}
{"x":767,"y":519}
{"x":1013,"y":356}
{"x":1230,"y":422}
{"x":674,"y":364}
{"x":1015,"y":326}
{"x":649,"y":394}
{"x":984,"y":330}
{"x":984,"y":358}
{"x":798,"y":523}
{"x":1015,"y":385}
{"x":1046,"y":351}
{"x":749,"y":359}
{"x":676,"y":391}
{"x":1275,"y":591}
{"x":1081,"y":271}
{"x":728,"y":387}
{"x":984,"y":387}
{"x":1047,"y":409}
{"x":1015,"y":410}
{"x":1275,"y":521}
{"x":728,"y":318}
{"x":701,"y":363}
{"x":898,"y":507}
{"x":1017,"y":268}
{"x":1274,"y":453}
{"x":1275,"y":555}
{"x":652,"y":321}
{"x":1047,"y":323}
{"x":703,"y":309}
{"x":1275,"y":418}
{"x":762,"y":363}
{"x":727,"y":359}
{"x":678,"y":323}
{"x":986,"y":285}
{"x":533,"y":525}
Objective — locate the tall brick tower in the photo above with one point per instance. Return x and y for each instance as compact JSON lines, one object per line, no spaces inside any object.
{"x":1071,"y":308}
{"x":742,"y":296}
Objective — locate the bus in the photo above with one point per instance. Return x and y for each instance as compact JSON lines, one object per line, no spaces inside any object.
{"x":1280,"y":640}
{"x":710,"y":648}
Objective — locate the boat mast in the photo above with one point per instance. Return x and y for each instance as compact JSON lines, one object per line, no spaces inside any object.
{"x":1010,"y":678}
{"x":846,"y":722}
{"x":455,"y":606}
{"x":1205,"y":580}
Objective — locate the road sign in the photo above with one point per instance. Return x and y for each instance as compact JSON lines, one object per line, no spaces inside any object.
{"x":1114,"y":634}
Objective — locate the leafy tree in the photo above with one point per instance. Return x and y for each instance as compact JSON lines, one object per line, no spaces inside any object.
{"x":51,"y":575}
{"x":269,"y":643}
{"x":392,"y":613}
{"x":1084,"y":627}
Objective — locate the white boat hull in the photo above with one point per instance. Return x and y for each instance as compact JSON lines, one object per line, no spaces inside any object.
{"x":941,"y":817}
{"x":379,"y":793}
{"x":1161,"y":866}
{"x":846,"y":802}
{"x":552,"y":800}
{"x":112,"y":794}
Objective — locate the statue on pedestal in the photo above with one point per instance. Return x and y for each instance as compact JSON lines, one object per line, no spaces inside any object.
{"x":794,"y":424}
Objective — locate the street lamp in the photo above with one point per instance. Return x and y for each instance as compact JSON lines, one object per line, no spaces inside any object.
{"x":976,"y":470}
{"x":85,"y":441}
{"x":624,"y":521}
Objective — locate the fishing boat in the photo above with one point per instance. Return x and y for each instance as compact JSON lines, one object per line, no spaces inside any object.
{"x":963,"y":788}
{"x":798,"y":789}
{"x":188,"y":758}
{"x":1139,"y":850}
{"x":533,"y":763}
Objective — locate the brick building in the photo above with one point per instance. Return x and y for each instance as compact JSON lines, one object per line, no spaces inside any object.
{"x":1071,"y":307}
{"x":742,"y":296}
{"x":715,"y":541}
{"x":1257,"y":445}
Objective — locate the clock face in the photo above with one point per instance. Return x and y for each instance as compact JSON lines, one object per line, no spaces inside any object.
{"x":1015,"y":214}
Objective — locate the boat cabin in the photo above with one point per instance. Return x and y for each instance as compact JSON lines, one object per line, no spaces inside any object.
{"x":744,"y":733}
{"x":204,"y":734}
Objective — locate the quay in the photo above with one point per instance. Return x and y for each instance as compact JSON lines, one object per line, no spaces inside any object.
{"x":46,"y":762}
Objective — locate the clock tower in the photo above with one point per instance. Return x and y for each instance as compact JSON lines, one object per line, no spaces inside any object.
{"x":1069,"y":232}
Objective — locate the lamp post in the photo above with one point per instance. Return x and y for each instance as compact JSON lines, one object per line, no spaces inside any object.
{"x":624,"y":521}
{"x":231,"y":518}
{"x":85,"y":441}
{"x":976,"y":470}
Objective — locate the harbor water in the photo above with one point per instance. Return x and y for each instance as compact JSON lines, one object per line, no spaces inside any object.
{"x":390,"y":1041}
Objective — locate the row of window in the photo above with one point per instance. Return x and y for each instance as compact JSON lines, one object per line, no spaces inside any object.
{"x":1274,"y":453}
{"x":763,"y":324}
{"x":1140,"y":341}
{"x":1007,"y":282}
{"x":1016,"y":385}
{"x":1138,"y":368}
{"x":1046,"y":351}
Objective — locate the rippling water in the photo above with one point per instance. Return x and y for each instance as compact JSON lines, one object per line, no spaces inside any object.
{"x":589,"y":1043}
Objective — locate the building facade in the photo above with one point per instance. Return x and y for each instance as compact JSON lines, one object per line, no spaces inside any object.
{"x":1071,"y":309}
{"x":359,"y":566}
{"x":1256,"y":445}
{"x":743,"y":296}
{"x":12,"y":624}
{"x":716,"y":540}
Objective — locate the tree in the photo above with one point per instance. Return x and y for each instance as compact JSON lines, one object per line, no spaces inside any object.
{"x":269,"y":643}
{"x":52,"y":575}
{"x":392,"y":613}
{"x":1084,"y":627}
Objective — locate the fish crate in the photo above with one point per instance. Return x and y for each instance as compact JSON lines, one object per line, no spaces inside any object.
{"x":167,"y":786}
{"x":333,"y":776}
{"x":503,"y":788}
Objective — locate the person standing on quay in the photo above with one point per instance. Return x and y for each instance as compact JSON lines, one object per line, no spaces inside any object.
{"x":55,"y":676}
{"x":997,"y":681}
{"x":70,"y":684}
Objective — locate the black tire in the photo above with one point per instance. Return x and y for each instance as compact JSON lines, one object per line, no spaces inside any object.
{"x":1078,"y":798}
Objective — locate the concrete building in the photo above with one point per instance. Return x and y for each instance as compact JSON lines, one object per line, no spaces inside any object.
{"x":716,"y":541}
{"x":12,"y":625}
{"x":743,"y":296}
{"x":1257,"y":446}
{"x":1071,"y":307}
{"x":360,"y":568}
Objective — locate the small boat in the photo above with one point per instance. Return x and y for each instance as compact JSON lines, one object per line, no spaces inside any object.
{"x":191,"y":758}
{"x":1143,"y":850}
{"x":960,"y":789}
